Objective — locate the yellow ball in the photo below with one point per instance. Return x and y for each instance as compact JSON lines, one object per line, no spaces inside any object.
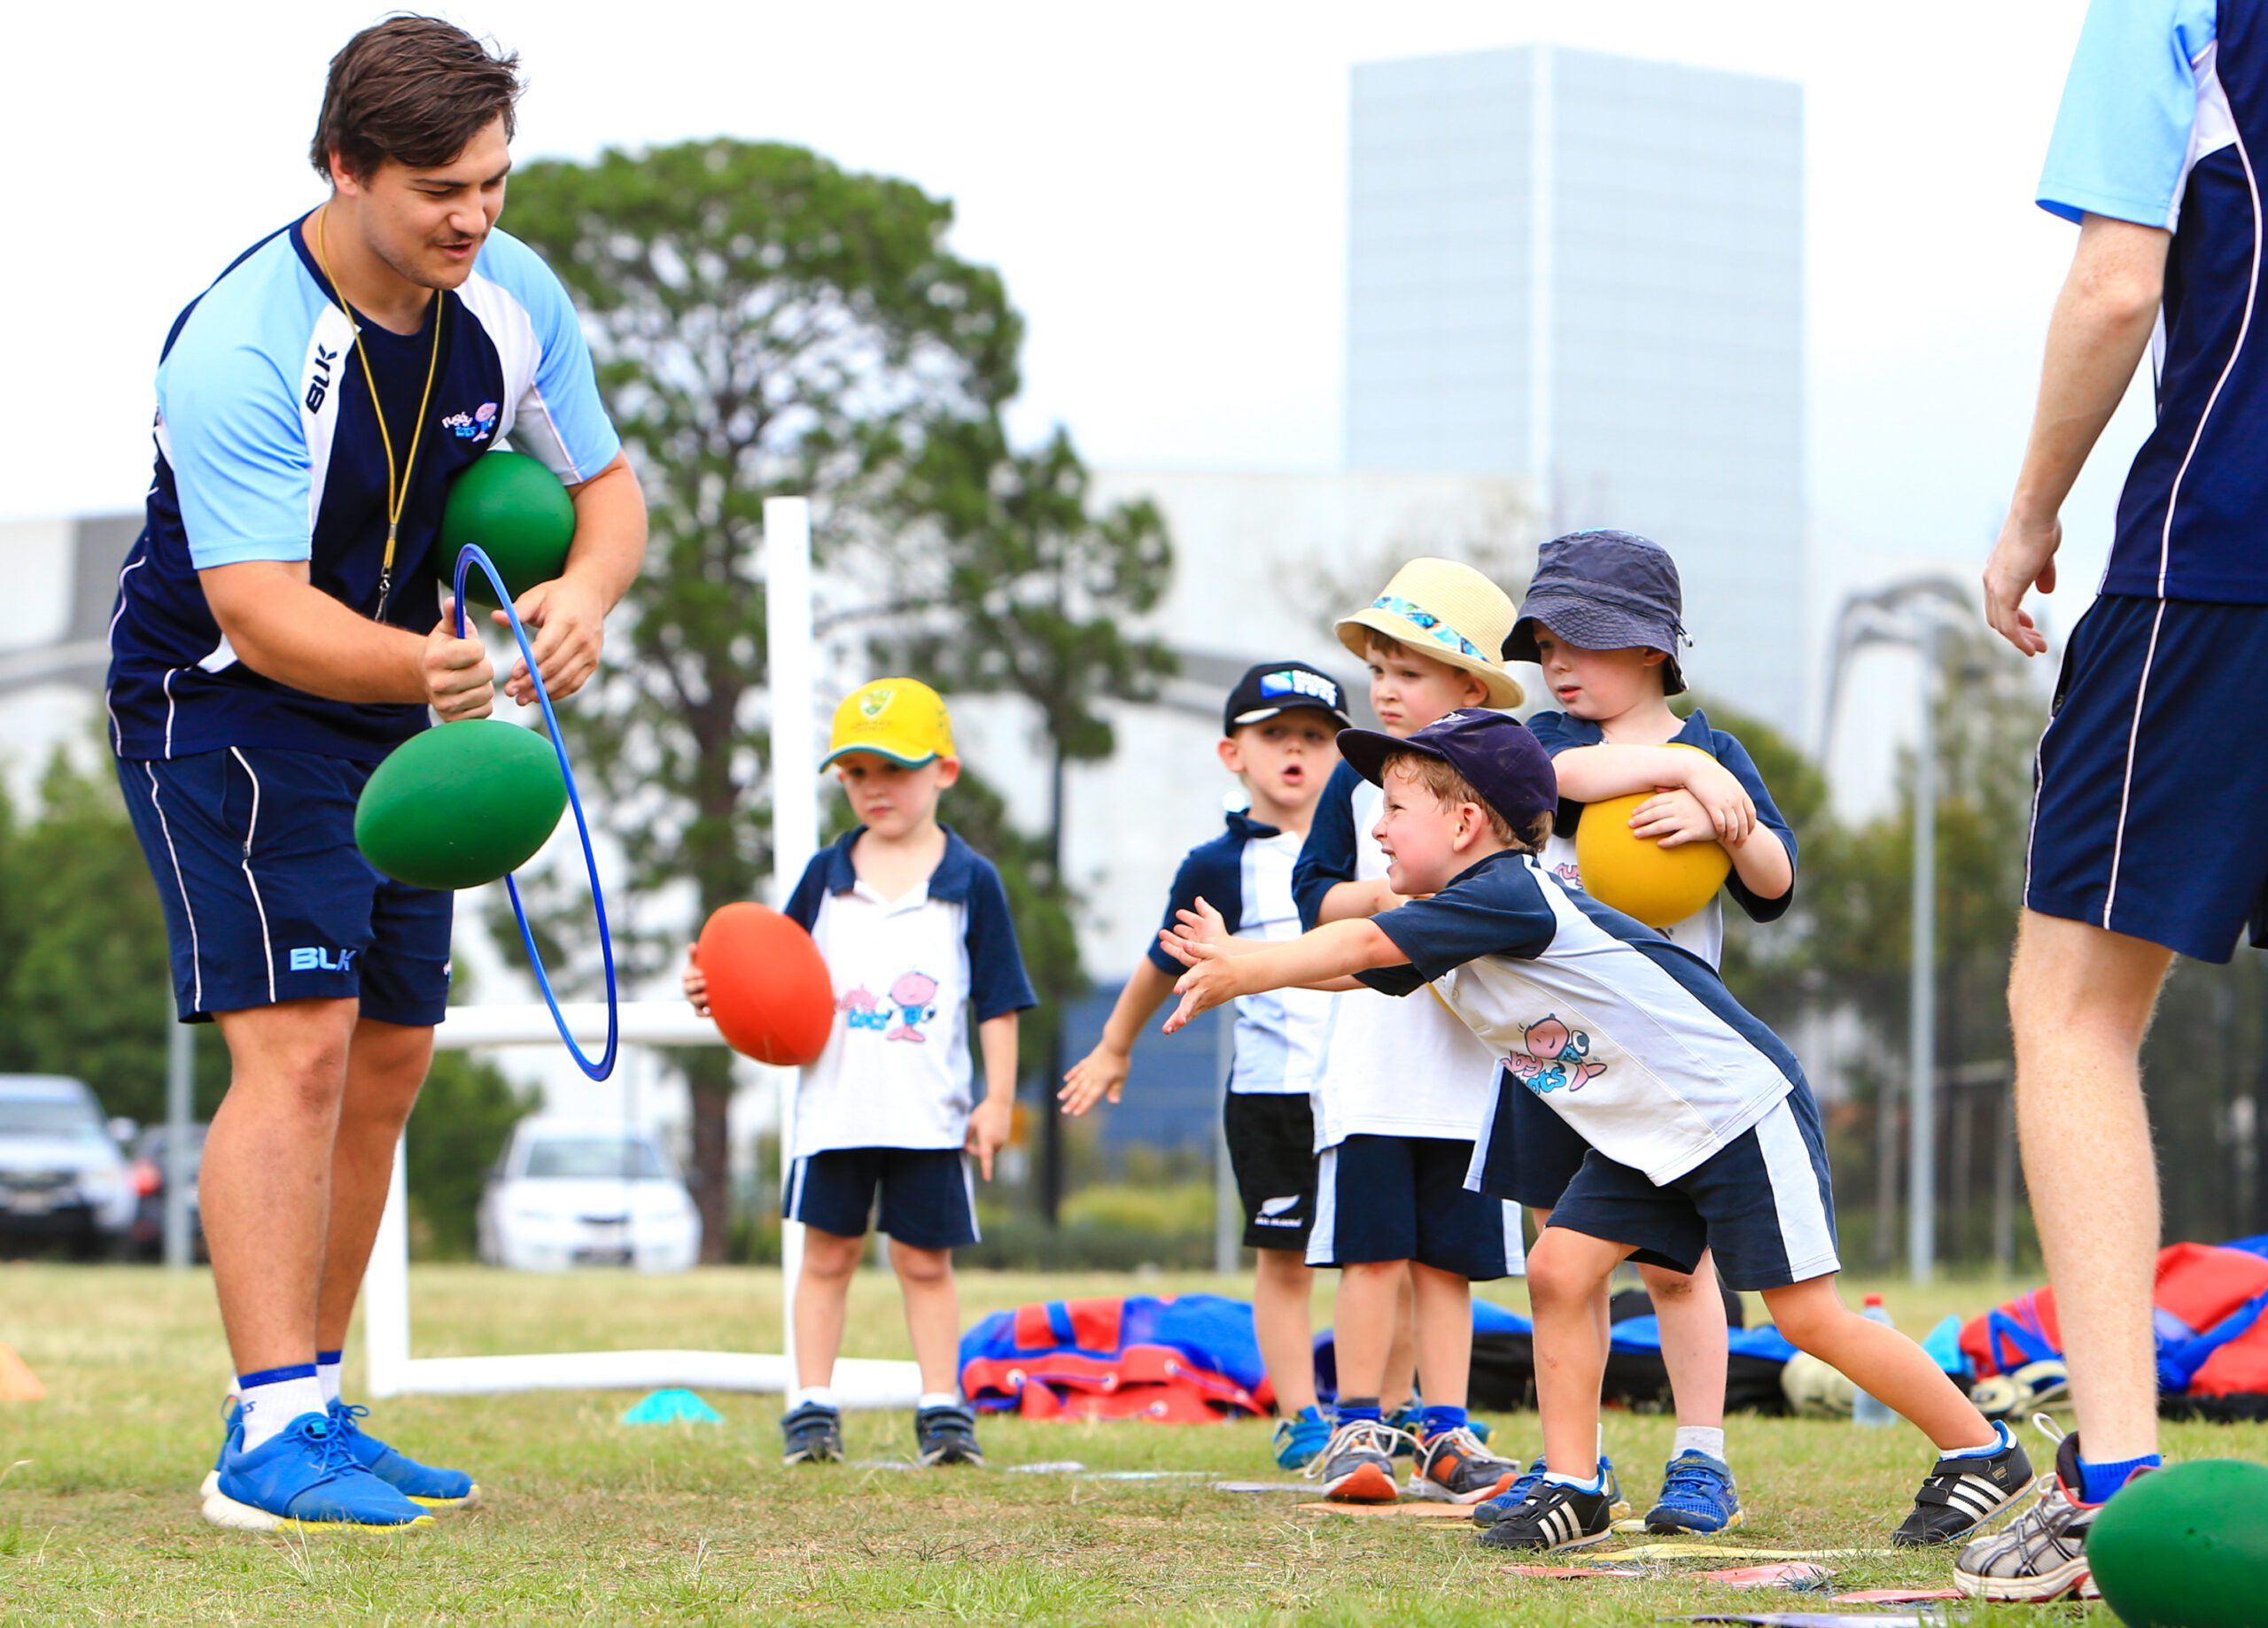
{"x":1641,"y":879}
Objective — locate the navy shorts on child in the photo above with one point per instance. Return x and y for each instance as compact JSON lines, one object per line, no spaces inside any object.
{"x":927,"y":1199}
{"x":1404,"y":1198}
{"x":2151,"y":777}
{"x":266,"y":896}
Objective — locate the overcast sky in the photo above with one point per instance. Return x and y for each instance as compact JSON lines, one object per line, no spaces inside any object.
{"x":1163,"y":185}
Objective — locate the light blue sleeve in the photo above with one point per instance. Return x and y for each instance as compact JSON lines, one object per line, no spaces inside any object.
{"x":561,"y":420}
{"x":2120,"y":146}
{"x":230,"y":430}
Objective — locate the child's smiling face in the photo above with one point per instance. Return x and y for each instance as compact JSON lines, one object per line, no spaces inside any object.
{"x":1418,"y":834}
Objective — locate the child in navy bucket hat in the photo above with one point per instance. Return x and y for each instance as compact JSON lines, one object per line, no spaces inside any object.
{"x":1704,"y":1138}
{"x":1604,"y":618}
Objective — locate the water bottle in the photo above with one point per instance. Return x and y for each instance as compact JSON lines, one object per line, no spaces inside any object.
{"x":1865,"y":1409}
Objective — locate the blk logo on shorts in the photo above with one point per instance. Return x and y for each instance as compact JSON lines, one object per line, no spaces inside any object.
{"x":312,"y":958}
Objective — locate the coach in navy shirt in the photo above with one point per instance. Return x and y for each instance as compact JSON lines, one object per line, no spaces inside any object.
{"x":278,"y":631}
{"x":2146,"y":840}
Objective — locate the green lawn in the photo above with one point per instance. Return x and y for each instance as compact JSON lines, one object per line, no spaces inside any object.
{"x":590,"y":1521}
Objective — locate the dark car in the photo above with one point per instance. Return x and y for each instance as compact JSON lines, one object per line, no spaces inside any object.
{"x":62,"y":1179}
{"x":151,"y":1168}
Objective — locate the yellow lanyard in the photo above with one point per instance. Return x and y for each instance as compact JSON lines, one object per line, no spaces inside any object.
{"x":397,"y":496}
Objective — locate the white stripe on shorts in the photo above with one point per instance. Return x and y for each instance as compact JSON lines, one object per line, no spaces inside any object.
{"x":266,"y":949}
{"x":795,"y":1189}
{"x":1808,"y":1241}
{"x":1515,"y":1241}
{"x":1325,"y":1230}
{"x":195,"y":964}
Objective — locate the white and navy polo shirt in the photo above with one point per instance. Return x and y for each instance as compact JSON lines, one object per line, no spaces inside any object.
{"x":2164,"y":123}
{"x":1631,"y":1040}
{"x":1245,"y":874}
{"x":907,"y":973}
{"x":1390,"y":1068}
{"x":1703,"y":932}
{"x":268,"y":449}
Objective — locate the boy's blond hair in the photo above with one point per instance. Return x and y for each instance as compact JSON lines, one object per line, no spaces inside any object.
{"x":1449,"y":787}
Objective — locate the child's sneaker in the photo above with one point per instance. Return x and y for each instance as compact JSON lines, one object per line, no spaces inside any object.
{"x":304,"y":1479}
{"x":1357,"y":1466}
{"x":1300,"y":1438}
{"x":1964,"y":1491}
{"x":1490,"y":1511}
{"x":1554,"y":1515}
{"x":2042,"y":1554}
{"x":420,"y":1484}
{"x":1411,"y":1421}
{"x":1697,"y":1496}
{"x":1454,"y":1468}
{"x":814,"y":1435}
{"x":947,"y":1435}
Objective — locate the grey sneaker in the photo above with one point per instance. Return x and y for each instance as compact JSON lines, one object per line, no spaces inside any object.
{"x":2041,"y":1555}
{"x":1453,"y":1468}
{"x":1961,"y":1493}
{"x":1357,"y":1468}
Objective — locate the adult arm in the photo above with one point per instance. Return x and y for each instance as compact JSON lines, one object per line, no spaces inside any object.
{"x":566,"y":617}
{"x":2102,"y":320}
{"x":285,"y":628}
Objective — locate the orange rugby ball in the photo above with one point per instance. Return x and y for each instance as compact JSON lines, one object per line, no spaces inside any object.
{"x":769,"y":990}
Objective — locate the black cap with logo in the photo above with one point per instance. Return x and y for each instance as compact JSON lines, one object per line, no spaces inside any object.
{"x":1278,"y":686}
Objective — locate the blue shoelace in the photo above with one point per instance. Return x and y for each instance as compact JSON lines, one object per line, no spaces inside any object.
{"x":325,"y":1445}
{"x":1696,"y":1480}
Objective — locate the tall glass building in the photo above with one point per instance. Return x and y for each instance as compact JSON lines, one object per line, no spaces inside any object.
{"x":1586,"y":271}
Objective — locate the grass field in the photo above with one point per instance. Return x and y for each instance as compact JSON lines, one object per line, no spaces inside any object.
{"x":589,"y":1521}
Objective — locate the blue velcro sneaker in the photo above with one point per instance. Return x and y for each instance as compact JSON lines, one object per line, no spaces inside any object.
{"x":1300,"y":1437}
{"x":420,"y":1484}
{"x":304,"y":1479}
{"x":1697,"y":1496}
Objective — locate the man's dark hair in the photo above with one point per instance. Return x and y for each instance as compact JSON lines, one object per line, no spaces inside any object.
{"x":415,"y":90}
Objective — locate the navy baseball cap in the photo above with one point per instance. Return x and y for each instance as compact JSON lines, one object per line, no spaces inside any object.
{"x":1494,"y":751}
{"x":1605,"y":591}
{"x":1278,"y":686}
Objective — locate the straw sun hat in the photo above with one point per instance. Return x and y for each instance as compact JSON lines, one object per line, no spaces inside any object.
{"x":1445,"y":610}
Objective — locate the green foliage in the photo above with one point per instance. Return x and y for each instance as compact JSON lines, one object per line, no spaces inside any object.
{"x":465,"y":1116}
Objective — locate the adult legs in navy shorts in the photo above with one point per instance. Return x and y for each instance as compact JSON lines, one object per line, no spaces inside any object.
{"x":326,"y":980}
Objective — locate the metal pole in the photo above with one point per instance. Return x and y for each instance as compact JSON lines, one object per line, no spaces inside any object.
{"x":1228,"y":1234}
{"x":181,"y":1074}
{"x":1922,"y":1197}
{"x":795,"y":800}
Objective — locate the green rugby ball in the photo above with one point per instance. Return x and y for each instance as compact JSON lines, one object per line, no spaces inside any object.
{"x":2185,"y":1546}
{"x":461,"y":804}
{"x":520,"y":515}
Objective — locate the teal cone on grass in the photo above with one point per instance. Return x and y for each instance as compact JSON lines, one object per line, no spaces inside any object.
{"x":672,"y":1407}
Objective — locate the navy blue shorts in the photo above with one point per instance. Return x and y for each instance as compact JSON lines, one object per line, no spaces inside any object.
{"x":1763,"y":1202}
{"x":928,"y":1200}
{"x":2152,"y":774}
{"x":1532,"y":1152}
{"x":1404,"y":1198}
{"x":267,"y":898}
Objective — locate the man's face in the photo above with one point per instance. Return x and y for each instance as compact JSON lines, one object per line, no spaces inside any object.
{"x":428,"y":225}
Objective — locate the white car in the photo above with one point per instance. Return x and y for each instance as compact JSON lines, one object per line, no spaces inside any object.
{"x":586,"y":1193}
{"x":62,"y":1177}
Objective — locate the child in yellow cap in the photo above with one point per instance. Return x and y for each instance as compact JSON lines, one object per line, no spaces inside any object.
{"x":915,"y":926}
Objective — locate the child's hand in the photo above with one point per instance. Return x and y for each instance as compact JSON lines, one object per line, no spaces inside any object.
{"x":1204,"y":924}
{"x":1731,"y":811}
{"x":1673,"y":818}
{"x":696,"y":982}
{"x":989,"y":1124}
{"x":1210,"y":981}
{"x":1100,"y":1073}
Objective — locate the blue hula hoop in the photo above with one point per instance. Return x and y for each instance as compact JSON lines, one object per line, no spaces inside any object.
{"x":472,"y":554}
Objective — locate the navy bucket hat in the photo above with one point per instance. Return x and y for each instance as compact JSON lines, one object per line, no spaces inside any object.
{"x":1605,"y":591}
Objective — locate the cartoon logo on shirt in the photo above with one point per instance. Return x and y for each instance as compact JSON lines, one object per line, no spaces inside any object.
{"x":1569,"y":874}
{"x":911,"y":1003}
{"x":1557,"y":1060}
{"x":477,"y":425}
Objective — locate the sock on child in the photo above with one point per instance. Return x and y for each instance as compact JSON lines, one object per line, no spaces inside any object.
{"x":1699,"y":1438}
{"x":1353,"y":1407}
{"x":938,"y":1398}
{"x":272,"y":1398}
{"x":1440,"y":1419}
{"x":814,"y":1396}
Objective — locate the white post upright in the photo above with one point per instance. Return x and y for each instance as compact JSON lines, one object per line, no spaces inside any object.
{"x":795,"y":795}
{"x":386,"y":1290}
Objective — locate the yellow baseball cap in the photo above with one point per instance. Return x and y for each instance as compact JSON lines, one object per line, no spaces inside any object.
{"x":902,"y":719}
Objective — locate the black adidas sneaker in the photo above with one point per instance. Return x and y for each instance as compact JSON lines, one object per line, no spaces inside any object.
{"x":1554,"y":1515}
{"x":1964,"y":1491}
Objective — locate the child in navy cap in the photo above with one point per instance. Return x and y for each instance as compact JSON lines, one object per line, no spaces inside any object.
{"x":1277,"y":735}
{"x":1601,"y":618}
{"x":1701,"y":1135}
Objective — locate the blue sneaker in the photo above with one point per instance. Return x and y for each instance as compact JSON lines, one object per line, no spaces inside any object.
{"x":1490,"y":1512}
{"x":304,"y":1479}
{"x":1697,"y":1496}
{"x":1300,"y":1438}
{"x":420,"y":1484}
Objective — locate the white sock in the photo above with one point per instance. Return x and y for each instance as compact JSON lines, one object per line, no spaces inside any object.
{"x":1597,"y":1484}
{"x":326,"y":1366}
{"x":1697,"y":1438}
{"x":817,"y":1396}
{"x":938,"y":1398}
{"x":2002,"y":1439}
{"x":273,"y":1398}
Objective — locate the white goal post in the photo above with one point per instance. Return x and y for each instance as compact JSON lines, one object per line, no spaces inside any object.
{"x":858,"y":1383}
